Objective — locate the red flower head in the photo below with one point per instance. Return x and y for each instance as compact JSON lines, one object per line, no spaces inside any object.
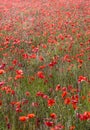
{"x":40,"y":74}
{"x":51,"y":102}
{"x":23,"y":118}
{"x":53,"y":115}
{"x":31,"y":115}
{"x":49,"y":123}
{"x":81,"y":78}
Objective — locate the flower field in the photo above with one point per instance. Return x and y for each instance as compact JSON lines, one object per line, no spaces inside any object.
{"x":44,"y":65}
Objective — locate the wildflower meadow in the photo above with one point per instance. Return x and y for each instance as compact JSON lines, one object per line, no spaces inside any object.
{"x":44,"y":64}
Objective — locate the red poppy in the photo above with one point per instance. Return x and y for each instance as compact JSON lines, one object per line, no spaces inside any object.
{"x":40,"y":94}
{"x":53,"y":115}
{"x":31,"y":115}
{"x":64,"y":94}
{"x":19,"y":72}
{"x":2,"y":83}
{"x":40,"y":74}
{"x":2,"y":71}
{"x":35,"y":104}
{"x":27,"y":93}
{"x":58,"y":127}
{"x":72,"y":127}
{"x":15,"y":61}
{"x":19,"y":76}
{"x":42,"y":67}
{"x":41,"y":58}
{"x":49,"y":123}
{"x":23,"y":118}
{"x":58,"y":87}
{"x":51,"y":102}
{"x":67,"y":101}
{"x":81,"y":78}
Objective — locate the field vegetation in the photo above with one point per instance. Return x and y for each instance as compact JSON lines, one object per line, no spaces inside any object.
{"x":44,"y":65}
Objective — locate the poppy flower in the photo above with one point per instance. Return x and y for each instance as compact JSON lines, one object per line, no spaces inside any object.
{"x":83,"y":97}
{"x":40,"y":94}
{"x":2,"y":66}
{"x":84,"y":116}
{"x":19,"y":72}
{"x":51,"y":102}
{"x":2,"y":71}
{"x":35,"y":104}
{"x":64,"y":94}
{"x":18,"y":110}
{"x":15,"y":61}
{"x":23,"y":118}
{"x":42,"y":67}
{"x":67,"y":101}
{"x":40,"y":74}
{"x":19,"y":76}
{"x":58,"y":87}
{"x":81,"y":78}
{"x":31,"y":115}
{"x":27,"y":93}
{"x":33,"y":56}
{"x":49,"y":123}
{"x":41,"y":58}
{"x":45,"y":96}
{"x":25,"y":56}
{"x":72,"y":127}
{"x":53,"y":115}
{"x":2,"y":83}
{"x":58,"y":127}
